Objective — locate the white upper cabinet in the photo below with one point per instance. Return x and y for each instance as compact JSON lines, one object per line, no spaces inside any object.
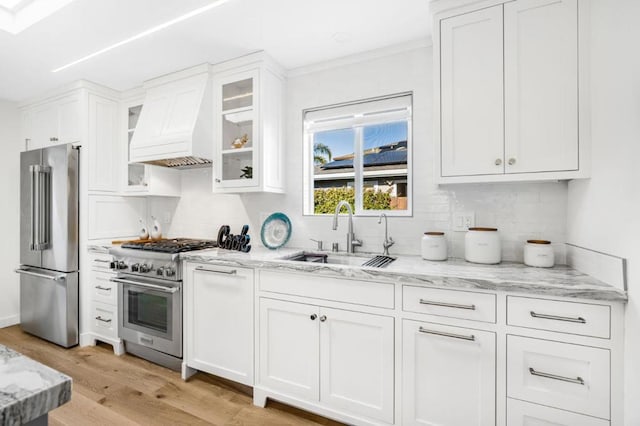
{"x":472,"y":103}
{"x":541,"y":85}
{"x":248,"y":125}
{"x":508,"y":93}
{"x":103,"y":143}
{"x":52,"y":122}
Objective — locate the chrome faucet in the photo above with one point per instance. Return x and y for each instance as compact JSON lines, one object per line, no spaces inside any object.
{"x":352,"y":242}
{"x":388,"y":241}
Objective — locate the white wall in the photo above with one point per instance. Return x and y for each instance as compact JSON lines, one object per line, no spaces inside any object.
{"x":520,"y":211}
{"x":10,"y":214}
{"x":604,"y":212}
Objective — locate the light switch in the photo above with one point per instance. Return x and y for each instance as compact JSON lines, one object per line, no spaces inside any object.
{"x":462,"y":221}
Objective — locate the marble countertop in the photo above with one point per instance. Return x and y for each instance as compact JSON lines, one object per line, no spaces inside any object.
{"x":560,"y":280}
{"x":28,"y":389}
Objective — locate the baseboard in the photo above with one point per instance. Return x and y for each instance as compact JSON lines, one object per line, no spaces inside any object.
{"x":602,"y":266}
{"x":9,"y":321}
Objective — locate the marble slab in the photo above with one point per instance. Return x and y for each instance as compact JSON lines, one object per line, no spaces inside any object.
{"x":28,"y":389}
{"x":561,"y":280}
{"x":99,"y":248}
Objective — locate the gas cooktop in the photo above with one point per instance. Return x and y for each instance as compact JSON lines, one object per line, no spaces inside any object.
{"x":175,"y":245}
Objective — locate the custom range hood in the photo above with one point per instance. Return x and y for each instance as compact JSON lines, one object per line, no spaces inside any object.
{"x":175,"y":125}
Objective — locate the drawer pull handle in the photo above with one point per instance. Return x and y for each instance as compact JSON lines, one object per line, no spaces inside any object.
{"x":98,"y":287}
{"x":216,"y":271}
{"x":577,"y":380}
{"x":442,"y":333}
{"x":101,"y":261}
{"x":447,"y":305}
{"x":99,"y":318}
{"x":558,"y":318}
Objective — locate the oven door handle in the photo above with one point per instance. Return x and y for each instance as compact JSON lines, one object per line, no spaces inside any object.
{"x":163,"y":289}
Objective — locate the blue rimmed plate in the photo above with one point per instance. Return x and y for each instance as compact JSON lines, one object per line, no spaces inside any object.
{"x":276,"y":231}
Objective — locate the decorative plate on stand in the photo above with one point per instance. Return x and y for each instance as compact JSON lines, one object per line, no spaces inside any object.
{"x":275,"y":231}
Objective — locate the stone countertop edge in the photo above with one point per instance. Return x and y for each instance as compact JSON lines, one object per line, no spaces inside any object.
{"x":29,"y":389}
{"x":561,"y":280}
{"x":99,"y":248}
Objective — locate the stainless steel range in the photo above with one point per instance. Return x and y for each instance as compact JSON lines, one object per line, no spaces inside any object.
{"x":150,"y":297}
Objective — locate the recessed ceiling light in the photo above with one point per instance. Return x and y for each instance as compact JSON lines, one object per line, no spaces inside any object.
{"x":145,"y":33}
{"x":18,"y":15}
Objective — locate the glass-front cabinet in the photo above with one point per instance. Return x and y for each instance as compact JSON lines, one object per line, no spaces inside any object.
{"x":248,"y":126}
{"x":143,"y":179}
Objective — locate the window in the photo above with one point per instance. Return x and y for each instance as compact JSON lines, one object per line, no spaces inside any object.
{"x":359,"y":152}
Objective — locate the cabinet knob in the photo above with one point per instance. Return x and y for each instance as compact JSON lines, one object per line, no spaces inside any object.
{"x":498,"y":161}
{"x":313,"y":317}
{"x":217,"y":180}
{"x":323,"y":318}
{"x":512,"y":161}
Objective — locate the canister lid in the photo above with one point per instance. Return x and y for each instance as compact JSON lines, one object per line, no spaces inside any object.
{"x":483,"y":229}
{"x":538,"y":242}
{"x":434,"y":233}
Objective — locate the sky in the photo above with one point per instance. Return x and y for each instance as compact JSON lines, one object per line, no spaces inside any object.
{"x":341,"y":141}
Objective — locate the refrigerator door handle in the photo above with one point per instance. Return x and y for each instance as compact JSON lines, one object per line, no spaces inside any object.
{"x":25,"y":271}
{"x":40,"y":206}
{"x":33,"y":189}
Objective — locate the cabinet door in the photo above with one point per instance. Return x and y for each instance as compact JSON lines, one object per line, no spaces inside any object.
{"x":446,"y":369}
{"x":472,"y":129}
{"x":45,"y":126}
{"x":521,"y":413}
{"x":219,"y":321}
{"x":541,"y":85}
{"x":238,"y":141}
{"x":103,"y":144}
{"x":68,"y":119}
{"x":26,"y":130}
{"x":289,"y":352}
{"x":357,"y":363}
{"x":561,"y":375}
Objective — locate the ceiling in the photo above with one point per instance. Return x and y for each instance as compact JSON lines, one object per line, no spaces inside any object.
{"x":295,"y":32}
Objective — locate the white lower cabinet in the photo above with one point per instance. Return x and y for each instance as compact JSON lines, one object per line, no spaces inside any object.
{"x":521,"y":413}
{"x":104,"y":300}
{"x":449,"y":375}
{"x":341,"y":359}
{"x":561,"y":375}
{"x":219,"y":320}
{"x":289,"y":348}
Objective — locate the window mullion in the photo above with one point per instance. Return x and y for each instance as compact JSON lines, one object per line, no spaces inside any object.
{"x":357,"y":168}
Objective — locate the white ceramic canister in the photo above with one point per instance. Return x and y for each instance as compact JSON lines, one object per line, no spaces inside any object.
{"x":538,"y":253}
{"x":482,"y":245}
{"x":434,"y":246}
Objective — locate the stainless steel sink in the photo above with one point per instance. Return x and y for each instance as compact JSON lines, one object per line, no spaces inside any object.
{"x":341,"y":259}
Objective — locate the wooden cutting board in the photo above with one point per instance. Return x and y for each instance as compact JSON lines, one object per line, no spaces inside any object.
{"x":137,"y":240}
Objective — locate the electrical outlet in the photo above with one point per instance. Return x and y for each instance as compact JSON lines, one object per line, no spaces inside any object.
{"x":166,"y":217}
{"x":462,"y":221}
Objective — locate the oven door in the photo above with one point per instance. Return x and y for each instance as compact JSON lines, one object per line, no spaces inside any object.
{"x":150,"y":313}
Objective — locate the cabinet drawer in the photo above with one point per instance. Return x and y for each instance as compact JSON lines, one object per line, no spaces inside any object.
{"x":561,"y":375}
{"x":449,"y":303}
{"x":555,"y":315}
{"x":100,"y":261}
{"x":105,"y":320}
{"x":520,"y":413}
{"x":327,"y":288}
{"x":102,"y":289}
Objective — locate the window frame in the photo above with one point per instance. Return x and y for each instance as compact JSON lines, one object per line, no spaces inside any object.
{"x":356,"y":121}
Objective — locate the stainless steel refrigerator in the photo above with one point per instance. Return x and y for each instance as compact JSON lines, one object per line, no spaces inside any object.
{"x":49,"y":244}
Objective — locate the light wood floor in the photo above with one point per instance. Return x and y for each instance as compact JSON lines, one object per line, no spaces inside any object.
{"x":112,"y":390}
